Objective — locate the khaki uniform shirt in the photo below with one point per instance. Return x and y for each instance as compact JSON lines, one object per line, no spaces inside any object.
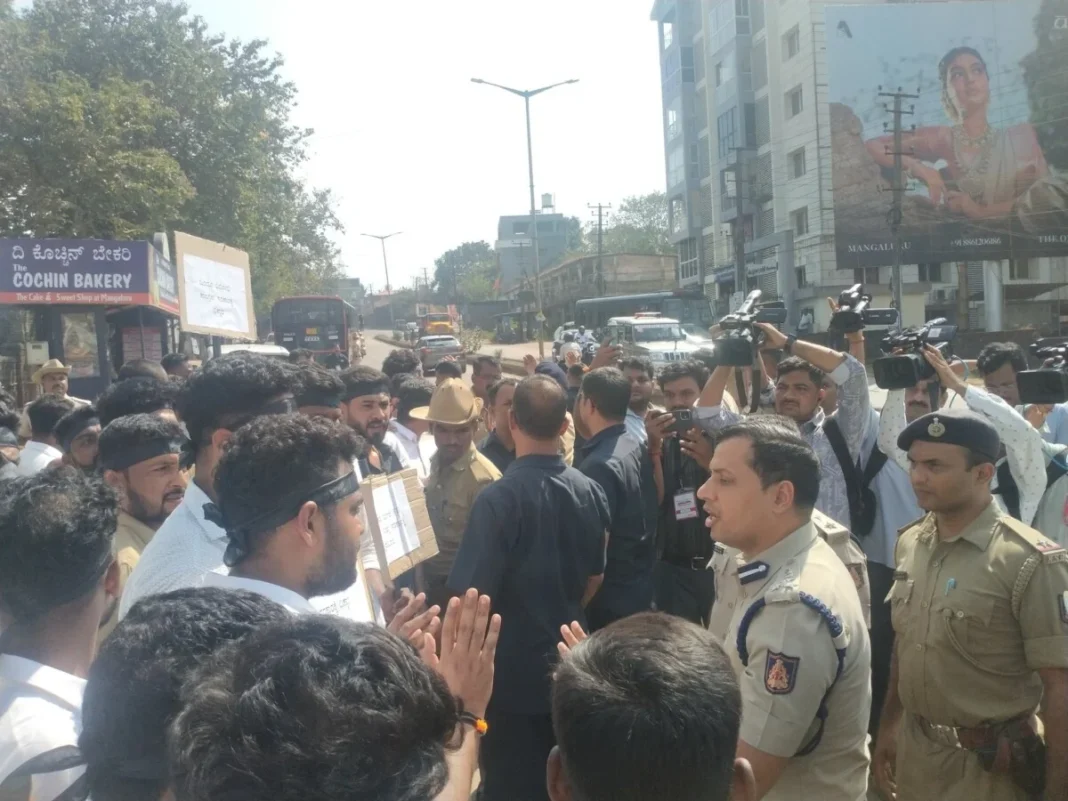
{"x":792,"y":662}
{"x":131,"y":537}
{"x":450,"y":491}
{"x":975,"y":617}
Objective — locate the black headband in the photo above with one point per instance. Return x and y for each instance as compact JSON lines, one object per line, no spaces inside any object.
{"x":319,"y":397}
{"x":34,"y":607}
{"x":128,"y":457}
{"x":241,"y":520}
{"x":373,"y":386}
{"x":7,"y":437}
{"x":74,"y":433}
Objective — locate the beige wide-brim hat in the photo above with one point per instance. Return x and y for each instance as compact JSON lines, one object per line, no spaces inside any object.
{"x":51,"y":366}
{"x":452,"y":403}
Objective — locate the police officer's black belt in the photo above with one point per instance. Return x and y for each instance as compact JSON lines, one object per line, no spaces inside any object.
{"x":128,"y":457}
{"x":319,"y":397}
{"x":242,"y":520}
{"x":8,"y":438}
{"x":72,"y":435}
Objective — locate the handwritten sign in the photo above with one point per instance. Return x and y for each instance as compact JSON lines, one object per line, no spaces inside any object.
{"x":216,"y":288}
{"x":399,"y":521}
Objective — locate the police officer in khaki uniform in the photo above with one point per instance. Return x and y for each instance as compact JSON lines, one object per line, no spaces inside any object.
{"x":980,"y":609}
{"x":458,"y":473}
{"x":790,"y":616}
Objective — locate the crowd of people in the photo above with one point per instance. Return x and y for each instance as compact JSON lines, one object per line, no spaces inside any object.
{"x":629,"y":599}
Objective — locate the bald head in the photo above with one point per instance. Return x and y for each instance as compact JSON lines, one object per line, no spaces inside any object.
{"x":539,"y":407}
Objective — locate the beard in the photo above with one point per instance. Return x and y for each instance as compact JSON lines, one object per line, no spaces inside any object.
{"x":337,"y":571}
{"x":374,"y":437}
{"x":150,"y":513}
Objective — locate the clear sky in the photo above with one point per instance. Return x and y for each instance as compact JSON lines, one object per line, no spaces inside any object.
{"x":409,"y":144}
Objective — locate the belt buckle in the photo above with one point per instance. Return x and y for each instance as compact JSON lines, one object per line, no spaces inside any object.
{"x":698,"y":562}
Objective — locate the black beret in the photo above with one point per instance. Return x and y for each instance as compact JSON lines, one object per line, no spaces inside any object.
{"x":954,"y":427}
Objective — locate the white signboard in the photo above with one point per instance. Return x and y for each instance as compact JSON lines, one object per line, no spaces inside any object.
{"x":216,"y":295}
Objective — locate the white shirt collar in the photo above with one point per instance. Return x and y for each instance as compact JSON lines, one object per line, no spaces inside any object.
{"x":41,"y":449}
{"x":403,"y":431}
{"x":294,"y":602}
{"x":62,"y":687}
{"x":194,"y":500}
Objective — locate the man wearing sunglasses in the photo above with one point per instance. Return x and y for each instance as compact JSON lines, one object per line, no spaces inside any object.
{"x":225,"y":394}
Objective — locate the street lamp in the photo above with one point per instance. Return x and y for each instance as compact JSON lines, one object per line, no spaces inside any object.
{"x":389,"y":290}
{"x":526,"y":94}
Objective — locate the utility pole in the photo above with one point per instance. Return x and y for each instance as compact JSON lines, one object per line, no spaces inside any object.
{"x":600,"y":242}
{"x":741,"y":276}
{"x":897,"y":186}
{"x":426,"y":283}
{"x":389,"y":290}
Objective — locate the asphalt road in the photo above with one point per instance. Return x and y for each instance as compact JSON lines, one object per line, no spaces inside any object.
{"x":377,"y":352}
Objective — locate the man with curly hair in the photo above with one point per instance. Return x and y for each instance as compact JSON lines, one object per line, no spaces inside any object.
{"x":57,"y":576}
{"x":137,"y":396}
{"x":133,"y":691}
{"x":77,"y":435}
{"x":225,"y":394}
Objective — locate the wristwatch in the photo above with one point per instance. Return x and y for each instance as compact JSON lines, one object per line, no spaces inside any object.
{"x":788,"y":348}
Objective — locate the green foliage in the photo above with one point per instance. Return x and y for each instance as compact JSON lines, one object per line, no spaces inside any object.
{"x":639,"y":225}
{"x":467,"y":272}
{"x":119,"y":118}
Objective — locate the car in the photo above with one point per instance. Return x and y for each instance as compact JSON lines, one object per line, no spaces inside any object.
{"x":432,"y":349}
{"x":263,"y":349}
{"x":661,"y":339}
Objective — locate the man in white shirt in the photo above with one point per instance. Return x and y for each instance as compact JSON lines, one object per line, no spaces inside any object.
{"x":414,"y":435}
{"x":225,"y":394}
{"x":640,"y":372}
{"x":57,"y":576}
{"x":41,"y":450}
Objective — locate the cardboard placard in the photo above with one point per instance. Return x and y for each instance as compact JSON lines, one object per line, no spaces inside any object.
{"x":355,"y":603}
{"x":399,"y":521}
{"x":215,"y":288}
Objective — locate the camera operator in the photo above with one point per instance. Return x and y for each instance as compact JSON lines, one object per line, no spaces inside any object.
{"x":1020,"y":480}
{"x":998,"y":364}
{"x":680,"y":456}
{"x":798,"y":392}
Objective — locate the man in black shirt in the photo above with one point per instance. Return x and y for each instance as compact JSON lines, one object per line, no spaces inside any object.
{"x":535,"y":543}
{"x":620,"y":464}
{"x":498,"y":446}
{"x":683,"y":586}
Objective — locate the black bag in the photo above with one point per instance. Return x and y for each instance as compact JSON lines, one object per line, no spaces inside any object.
{"x":862,"y":501}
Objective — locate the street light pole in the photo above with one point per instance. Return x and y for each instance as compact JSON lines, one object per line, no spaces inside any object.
{"x":526,"y":94}
{"x":385,"y":263}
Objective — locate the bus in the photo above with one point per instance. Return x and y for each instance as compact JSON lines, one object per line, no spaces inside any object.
{"x":316,"y":323}
{"x":685,"y":305}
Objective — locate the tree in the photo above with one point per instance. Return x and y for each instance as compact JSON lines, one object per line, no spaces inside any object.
{"x":194,"y":135}
{"x":466,"y":272}
{"x":639,"y":225}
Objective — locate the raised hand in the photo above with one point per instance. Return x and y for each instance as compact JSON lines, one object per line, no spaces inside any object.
{"x":468,"y":646}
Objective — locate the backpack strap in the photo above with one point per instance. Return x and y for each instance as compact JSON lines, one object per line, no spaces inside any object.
{"x":18,"y":784}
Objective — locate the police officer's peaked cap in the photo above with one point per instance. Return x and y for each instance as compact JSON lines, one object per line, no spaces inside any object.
{"x":954,"y":427}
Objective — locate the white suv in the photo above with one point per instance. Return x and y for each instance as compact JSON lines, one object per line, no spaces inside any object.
{"x":661,"y":339}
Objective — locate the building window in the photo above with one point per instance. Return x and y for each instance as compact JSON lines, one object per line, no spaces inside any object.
{"x":1019,"y":268}
{"x":799,"y":220}
{"x":724,"y":71}
{"x":791,"y":43}
{"x":669,"y":34}
{"x":676,"y":167}
{"x":868,"y":276}
{"x":726,"y":128}
{"x":802,"y":277}
{"x":674,"y":125}
{"x":750,"y":125}
{"x":797,"y":163}
{"x":677,"y":213}
{"x":795,"y":103}
{"x":931,"y":272}
{"x":520,"y":228}
{"x":741,"y":8}
{"x":688,"y":262}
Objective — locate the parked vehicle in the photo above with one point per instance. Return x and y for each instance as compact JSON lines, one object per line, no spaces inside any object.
{"x":661,"y":339}
{"x":433,"y":349}
{"x":316,"y":323}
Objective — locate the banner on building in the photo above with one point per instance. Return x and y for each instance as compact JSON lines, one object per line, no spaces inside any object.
{"x":216,"y":288}
{"x":74,"y":272}
{"x":986,"y":168}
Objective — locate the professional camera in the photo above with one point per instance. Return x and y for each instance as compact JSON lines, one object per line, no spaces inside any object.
{"x":853,"y":312}
{"x":738,"y":346}
{"x":908,"y":369}
{"x":1049,"y":384}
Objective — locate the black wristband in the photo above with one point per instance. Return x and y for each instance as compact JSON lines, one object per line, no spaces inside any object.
{"x":788,"y":348}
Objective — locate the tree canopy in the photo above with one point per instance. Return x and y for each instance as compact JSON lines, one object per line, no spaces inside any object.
{"x":119,"y":118}
{"x":467,"y":272}
{"x":638,"y":225}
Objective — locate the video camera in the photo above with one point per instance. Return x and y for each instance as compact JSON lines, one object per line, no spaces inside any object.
{"x":738,"y":346}
{"x":853,"y":312}
{"x":1048,"y":384}
{"x":905,"y":370}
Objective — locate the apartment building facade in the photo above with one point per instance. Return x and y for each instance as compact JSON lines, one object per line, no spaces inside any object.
{"x":763,"y":172}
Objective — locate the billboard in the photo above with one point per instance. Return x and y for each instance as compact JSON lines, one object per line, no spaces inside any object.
{"x":74,"y":271}
{"x":986,"y":168}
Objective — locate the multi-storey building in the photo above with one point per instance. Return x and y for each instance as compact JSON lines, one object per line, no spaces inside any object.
{"x":747,"y":134}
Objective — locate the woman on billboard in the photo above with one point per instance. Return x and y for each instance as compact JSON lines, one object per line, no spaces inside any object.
{"x":987,"y":170}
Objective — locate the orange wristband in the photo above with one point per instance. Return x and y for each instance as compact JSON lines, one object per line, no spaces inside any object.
{"x":478,"y":724}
